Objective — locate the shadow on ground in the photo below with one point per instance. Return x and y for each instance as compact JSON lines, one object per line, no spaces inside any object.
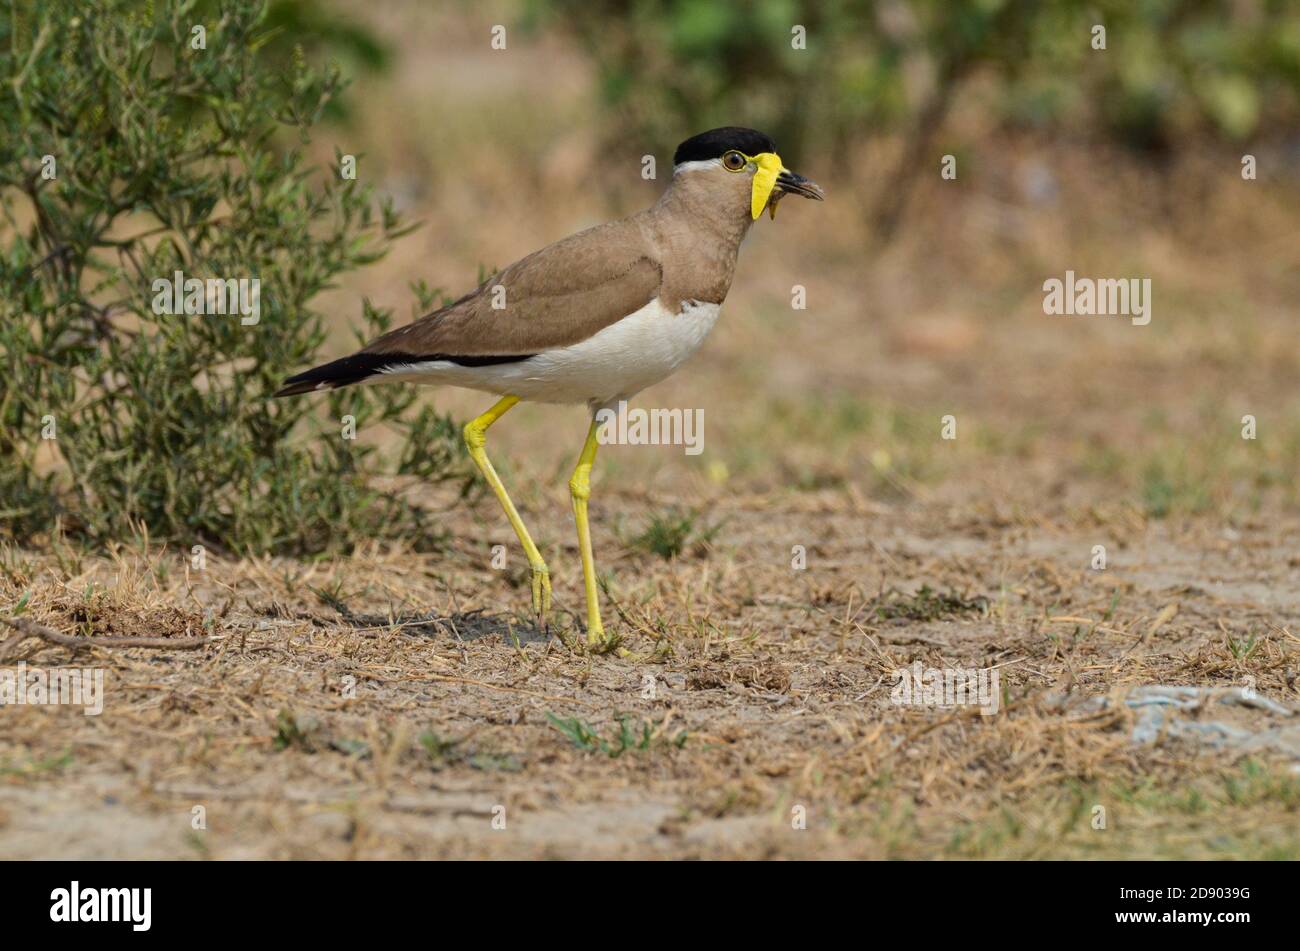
{"x":464,"y":625}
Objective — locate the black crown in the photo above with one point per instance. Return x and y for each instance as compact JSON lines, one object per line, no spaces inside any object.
{"x":715,"y":142}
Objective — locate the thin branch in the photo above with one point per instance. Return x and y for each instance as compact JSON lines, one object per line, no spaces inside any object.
{"x":27,"y":628}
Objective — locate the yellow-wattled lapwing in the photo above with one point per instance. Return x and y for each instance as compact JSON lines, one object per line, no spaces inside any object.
{"x":592,"y":319}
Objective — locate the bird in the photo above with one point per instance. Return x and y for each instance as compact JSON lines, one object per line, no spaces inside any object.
{"x":593,"y":318}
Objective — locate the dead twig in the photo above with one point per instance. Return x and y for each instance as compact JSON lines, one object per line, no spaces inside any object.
{"x":27,"y":628}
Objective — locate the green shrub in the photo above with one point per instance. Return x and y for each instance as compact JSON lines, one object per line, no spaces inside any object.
{"x":671,"y":67}
{"x":129,"y":152}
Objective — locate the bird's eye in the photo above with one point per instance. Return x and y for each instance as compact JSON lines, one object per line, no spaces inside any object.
{"x":734,"y":161}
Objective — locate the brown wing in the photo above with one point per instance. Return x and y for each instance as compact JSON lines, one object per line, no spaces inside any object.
{"x":555,"y":297}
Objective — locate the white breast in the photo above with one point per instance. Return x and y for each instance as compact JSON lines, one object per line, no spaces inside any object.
{"x":618,"y":361}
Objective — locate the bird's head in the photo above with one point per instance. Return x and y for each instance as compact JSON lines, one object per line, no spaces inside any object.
{"x":741,"y":161}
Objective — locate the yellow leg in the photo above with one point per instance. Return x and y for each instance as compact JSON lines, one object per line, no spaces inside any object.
{"x":476,"y":440}
{"x":580,"y":490}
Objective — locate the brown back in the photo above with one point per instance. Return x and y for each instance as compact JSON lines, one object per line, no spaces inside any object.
{"x":683,"y":248}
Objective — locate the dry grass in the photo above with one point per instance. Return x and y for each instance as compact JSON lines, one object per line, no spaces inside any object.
{"x":367,"y":708}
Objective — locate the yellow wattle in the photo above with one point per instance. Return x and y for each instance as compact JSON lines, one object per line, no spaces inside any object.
{"x":769,"y":167}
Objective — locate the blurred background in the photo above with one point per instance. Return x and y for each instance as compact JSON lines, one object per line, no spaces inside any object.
{"x":924,"y":295}
{"x":1117,"y":139}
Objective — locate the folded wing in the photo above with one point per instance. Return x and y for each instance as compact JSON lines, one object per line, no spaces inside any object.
{"x":553,"y":298}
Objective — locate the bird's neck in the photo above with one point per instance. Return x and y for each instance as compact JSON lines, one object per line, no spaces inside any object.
{"x":695,"y":230}
{"x":707,"y":205}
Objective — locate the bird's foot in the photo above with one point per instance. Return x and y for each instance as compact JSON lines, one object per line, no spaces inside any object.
{"x":541,"y":585}
{"x":599,"y":642}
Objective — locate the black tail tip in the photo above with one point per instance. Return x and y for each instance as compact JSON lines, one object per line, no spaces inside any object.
{"x":330,"y":376}
{"x":294,"y":389}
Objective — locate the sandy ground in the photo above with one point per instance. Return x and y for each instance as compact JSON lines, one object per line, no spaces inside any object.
{"x":756,"y":694}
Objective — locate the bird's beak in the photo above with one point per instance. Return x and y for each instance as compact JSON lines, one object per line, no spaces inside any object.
{"x":789,"y":183}
{"x":794,"y":184}
{"x":772,"y":181}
